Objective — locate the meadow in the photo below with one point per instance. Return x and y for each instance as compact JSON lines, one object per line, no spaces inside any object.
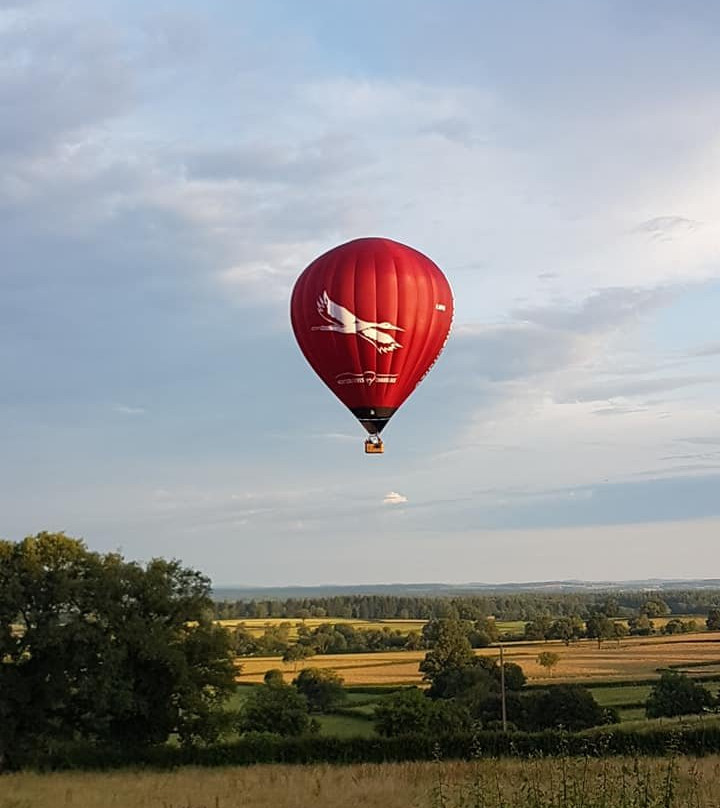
{"x":506,"y":783}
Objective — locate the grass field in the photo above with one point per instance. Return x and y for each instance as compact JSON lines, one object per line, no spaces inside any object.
{"x":548,"y":783}
{"x":633,"y":658}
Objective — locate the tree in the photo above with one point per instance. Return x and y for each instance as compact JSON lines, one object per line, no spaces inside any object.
{"x":322,"y":687}
{"x":99,"y":649}
{"x":274,"y":676}
{"x":677,"y":694}
{"x":600,"y":627}
{"x":296,"y":653}
{"x":566,"y":629}
{"x":514,"y":676}
{"x":244,"y":641}
{"x":474,"y":677}
{"x":449,"y":648}
{"x":275,"y":707}
{"x":620,"y":631}
{"x":411,"y":712}
{"x":538,"y":629}
{"x":674,"y":626}
{"x":483,"y":633}
{"x":275,"y":638}
{"x":656,"y":607}
{"x":569,"y":707}
{"x":548,"y":660}
{"x":406,"y":712}
{"x":713,"y":619}
{"x":641,"y":625}
{"x":609,"y":606}
{"x":413,"y":641}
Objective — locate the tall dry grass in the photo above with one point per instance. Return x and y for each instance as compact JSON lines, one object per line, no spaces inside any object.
{"x":543,"y":783}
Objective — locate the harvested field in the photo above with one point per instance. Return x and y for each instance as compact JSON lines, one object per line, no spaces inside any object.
{"x":257,"y":626}
{"x":633,"y":658}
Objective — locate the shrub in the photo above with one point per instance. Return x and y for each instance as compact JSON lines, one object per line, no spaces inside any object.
{"x":677,"y":694}
{"x":322,"y":687}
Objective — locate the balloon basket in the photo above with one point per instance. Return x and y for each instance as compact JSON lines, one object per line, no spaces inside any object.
{"x":374,"y":446}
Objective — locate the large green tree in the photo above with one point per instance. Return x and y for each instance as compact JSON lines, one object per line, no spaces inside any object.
{"x":600,"y":627}
{"x":322,"y":687}
{"x":411,"y":712}
{"x":98,"y":649}
{"x":677,"y":694}
{"x":276,"y":707}
{"x":566,"y":629}
{"x":449,"y":648}
{"x":569,"y":707}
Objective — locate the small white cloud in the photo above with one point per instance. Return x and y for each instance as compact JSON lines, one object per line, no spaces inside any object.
{"x":666,"y":228}
{"x":125,"y":410}
{"x":339,"y":436}
{"x":393,"y":498}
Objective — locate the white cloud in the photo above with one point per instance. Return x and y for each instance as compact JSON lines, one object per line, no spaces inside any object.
{"x":126,"y":410}
{"x":393,"y":498}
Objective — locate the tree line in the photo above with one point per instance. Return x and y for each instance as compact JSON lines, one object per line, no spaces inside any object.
{"x":345,"y":638}
{"x":507,"y":607}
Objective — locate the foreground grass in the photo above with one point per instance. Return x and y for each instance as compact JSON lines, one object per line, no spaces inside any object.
{"x":558,"y":783}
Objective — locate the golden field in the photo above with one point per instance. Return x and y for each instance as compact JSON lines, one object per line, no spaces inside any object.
{"x":508,"y":783}
{"x":257,"y":626}
{"x":632,"y":658}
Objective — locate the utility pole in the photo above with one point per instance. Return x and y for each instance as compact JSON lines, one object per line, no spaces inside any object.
{"x":502,"y":689}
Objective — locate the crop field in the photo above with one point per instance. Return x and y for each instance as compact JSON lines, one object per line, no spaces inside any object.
{"x":543,"y":783}
{"x":257,"y":626}
{"x":632,"y":658}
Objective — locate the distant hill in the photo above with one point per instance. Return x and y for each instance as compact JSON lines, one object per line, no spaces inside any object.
{"x":454,"y":590}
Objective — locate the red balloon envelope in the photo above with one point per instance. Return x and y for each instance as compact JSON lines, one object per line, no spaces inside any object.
{"x":371,"y":317}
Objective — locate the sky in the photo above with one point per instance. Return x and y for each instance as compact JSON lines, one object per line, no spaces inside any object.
{"x":167,"y":170}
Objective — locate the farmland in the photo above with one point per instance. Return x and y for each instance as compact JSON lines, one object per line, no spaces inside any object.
{"x":634,"y":658}
{"x":257,"y":626}
{"x":611,"y":783}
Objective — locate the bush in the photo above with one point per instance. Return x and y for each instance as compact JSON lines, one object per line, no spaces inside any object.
{"x":270,"y":748}
{"x":322,"y":687}
{"x":277,"y":708}
{"x":569,"y":707}
{"x":677,"y":694}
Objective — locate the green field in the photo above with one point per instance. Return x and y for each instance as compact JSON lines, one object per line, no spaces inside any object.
{"x":344,"y":726}
{"x":628,"y":700}
{"x":630,"y":696}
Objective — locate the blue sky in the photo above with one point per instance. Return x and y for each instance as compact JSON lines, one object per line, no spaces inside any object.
{"x":167,"y":171}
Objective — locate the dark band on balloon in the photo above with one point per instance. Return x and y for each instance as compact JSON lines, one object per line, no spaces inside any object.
{"x":374,"y":419}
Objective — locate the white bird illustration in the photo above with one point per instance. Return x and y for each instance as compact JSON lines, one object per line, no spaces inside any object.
{"x":344,"y":321}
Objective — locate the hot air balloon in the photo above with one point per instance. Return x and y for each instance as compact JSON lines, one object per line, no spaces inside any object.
{"x":371,"y":317}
